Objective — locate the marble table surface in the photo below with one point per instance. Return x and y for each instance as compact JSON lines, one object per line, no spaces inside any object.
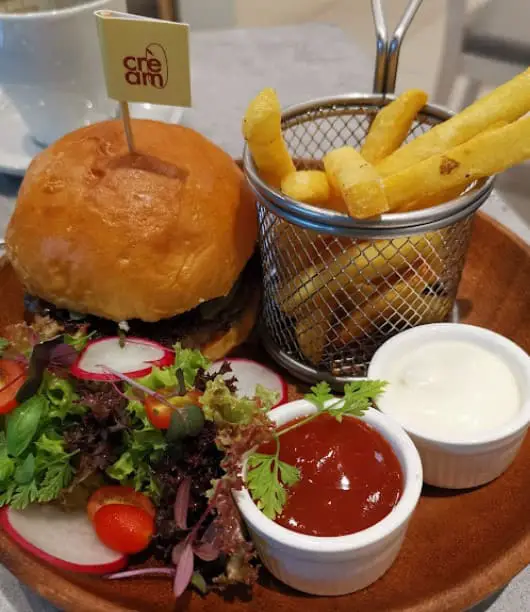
{"x":228,"y":68}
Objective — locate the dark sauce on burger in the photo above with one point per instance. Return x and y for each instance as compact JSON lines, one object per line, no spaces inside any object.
{"x":193,"y":328}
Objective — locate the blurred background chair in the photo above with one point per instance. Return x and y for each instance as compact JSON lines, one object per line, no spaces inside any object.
{"x":487,"y":45}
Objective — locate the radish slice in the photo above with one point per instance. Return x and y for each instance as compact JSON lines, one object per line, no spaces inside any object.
{"x":64,"y":539}
{"x":136,"y":358}
{"x":249,"y":374}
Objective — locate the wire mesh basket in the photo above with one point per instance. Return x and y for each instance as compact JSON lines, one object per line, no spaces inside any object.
{"x":336,"y":288}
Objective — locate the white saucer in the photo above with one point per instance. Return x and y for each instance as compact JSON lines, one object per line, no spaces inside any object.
{"x":17,"y":148}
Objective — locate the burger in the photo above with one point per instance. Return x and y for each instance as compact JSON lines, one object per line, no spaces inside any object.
{"x":158,"y":241}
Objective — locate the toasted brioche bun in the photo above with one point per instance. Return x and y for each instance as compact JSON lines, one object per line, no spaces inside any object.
{"x":147,"y":235}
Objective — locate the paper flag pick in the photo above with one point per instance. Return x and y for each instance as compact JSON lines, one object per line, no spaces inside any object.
{"x":144,"y":60}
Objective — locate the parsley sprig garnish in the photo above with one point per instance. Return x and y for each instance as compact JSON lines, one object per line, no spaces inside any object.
{"x":268,"y":477}
{"x":267,"y":480}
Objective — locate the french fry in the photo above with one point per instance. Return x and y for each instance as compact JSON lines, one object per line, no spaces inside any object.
{"x":433,"y":200}
{"x":394,"y":301}
{"x":289,"y":239}
{"x":309,"y":186}
{"x":445,"y":196}
{"x":312,"y":187}
{"x":420,"y":274}
{"x":262,"y":131}
{"x":496,"y":126}
{"x":312,"y":329}
{"x":336,"y":202}
{"x":357,"y":181}
{"x":484,"y":155}
{"x":391,"y":125}
{"x":506,"y":103}
{"x":393,"y":306}
{"x":311,"y":336}
{"x":272,"y":161}
{"x":303,"y":247}
{"x":362,"y":263}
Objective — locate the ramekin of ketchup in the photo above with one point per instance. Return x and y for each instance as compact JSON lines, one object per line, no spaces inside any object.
{"x":350,"y":477}
{"x":344,"y":521}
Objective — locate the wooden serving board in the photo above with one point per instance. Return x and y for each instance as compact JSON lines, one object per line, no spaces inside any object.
{"x":460,"y":547}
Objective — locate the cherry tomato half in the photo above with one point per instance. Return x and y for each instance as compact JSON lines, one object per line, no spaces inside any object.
{"x":119,"y":495}
{"x":126,"y":529}
{"x":159,"y":414}
{"x":12,"y":377}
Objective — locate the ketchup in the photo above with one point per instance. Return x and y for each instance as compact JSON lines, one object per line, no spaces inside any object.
{"x":350,"y":477}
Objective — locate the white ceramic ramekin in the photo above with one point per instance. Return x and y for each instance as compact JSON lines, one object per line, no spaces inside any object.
{"x":455,"y":464}
{"x":337,"y":565}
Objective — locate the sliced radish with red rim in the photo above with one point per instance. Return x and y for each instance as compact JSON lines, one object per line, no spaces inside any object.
{"x":66,"y":540}
{"x":135,"y":358}
{"x":249,"y":374}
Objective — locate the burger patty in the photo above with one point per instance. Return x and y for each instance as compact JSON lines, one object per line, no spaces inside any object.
{"x":192,"y":329}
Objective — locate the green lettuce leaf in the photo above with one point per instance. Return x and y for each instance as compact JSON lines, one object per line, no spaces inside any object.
{"x":25,"y":471}
{"x":42,"y":469}
{"x":189,"y":361}
{"x":22,"y":424}
{"x":220,"y":404}
{"x":51,"y":443}
{"x":78,"y":340}
{"x":144,"y":446}
{"x":159,"y":378}
{"x":268,"y":398}
{"x":122,"y":468}
{"x":24,"y":495}
{"x":7,"y":464}
{"x":137,"y":411}
{"x":57,"y":478}
{"x":149,"y":442}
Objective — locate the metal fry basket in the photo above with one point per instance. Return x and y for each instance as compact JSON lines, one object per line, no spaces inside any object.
{"x":336,"y":288}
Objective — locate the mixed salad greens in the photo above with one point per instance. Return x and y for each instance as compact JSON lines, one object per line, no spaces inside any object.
{"x":176,"y":436}
{"x":152,"y":459}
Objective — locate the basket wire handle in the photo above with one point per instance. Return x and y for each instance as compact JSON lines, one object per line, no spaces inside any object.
{"x":387,"y":52}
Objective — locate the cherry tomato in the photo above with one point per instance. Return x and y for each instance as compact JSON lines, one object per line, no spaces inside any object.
{"x":12,"y":377}
{"x":126,"y":529}
{"x":119,"y":495}
{"x":159,"y":414}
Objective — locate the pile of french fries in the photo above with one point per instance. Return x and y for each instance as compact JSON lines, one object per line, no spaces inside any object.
{"x":383,"y":176}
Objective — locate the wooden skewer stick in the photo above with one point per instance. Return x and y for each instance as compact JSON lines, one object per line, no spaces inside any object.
{"x":166,"y":10}
{"x":126,"y":118}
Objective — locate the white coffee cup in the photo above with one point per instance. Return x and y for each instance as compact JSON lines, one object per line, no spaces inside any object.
{"x":50,"y":64}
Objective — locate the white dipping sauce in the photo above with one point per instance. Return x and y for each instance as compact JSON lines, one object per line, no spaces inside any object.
{"x":451,"y":390}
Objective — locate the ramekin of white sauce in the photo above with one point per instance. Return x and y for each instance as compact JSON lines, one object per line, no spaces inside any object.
{"x":463,"y":395}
